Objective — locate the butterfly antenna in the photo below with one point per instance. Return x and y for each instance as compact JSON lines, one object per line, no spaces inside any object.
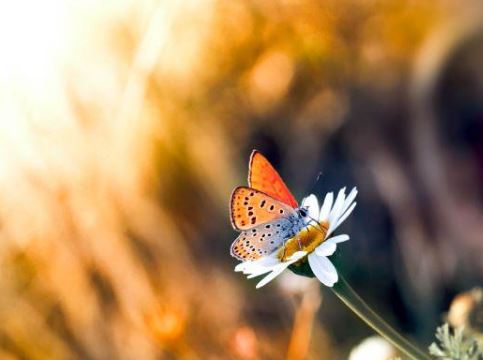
{"x":319,"y":174}
{"x":318,"y":227}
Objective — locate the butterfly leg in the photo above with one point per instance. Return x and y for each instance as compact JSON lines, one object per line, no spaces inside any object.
{"x":284,"y":241}
{"x":300,"y":244}
{"x":299,"y":240}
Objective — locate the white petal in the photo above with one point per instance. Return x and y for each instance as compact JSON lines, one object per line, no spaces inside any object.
{"x":312,"y":204}
{"x":247,"y":267}
{"x":269,"y":260}
{"x":326,"y":249}
{"x":339,"y":201}
{"x":338,"y":238}
{"x":344,"y":212}
{"x":296,"y":256}
{"x":256,"y":266}
{"x":253,"y":269}
{"x":345,"y":215}
{"x":374,"y":347}
{"x":328,"y":268}
{"x":324,"y":211}
{"x":277,"y":271}
{"x":323,"y":269}
{"x":349,"y":199}
{"x":240,"y":266}
{"x":329,"y":246}
{"x":257,"y":272}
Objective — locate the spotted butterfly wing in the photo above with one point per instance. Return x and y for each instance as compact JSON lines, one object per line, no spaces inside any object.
{"x":262,"y":176}
{"x":264,"y":223}
{"x":250,"y":208}
{"x":261,"y":240}
{"x":263,"y":212}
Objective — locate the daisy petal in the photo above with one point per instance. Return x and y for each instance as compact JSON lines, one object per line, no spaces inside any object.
{"x":312,"y":204}
{"x":338,"y":215}
{"x":240,"y":266}
{"x":343,"y":217}
{"x":269,"y":260}
{"x":349,"y":199}
{"x":296,"y":256}
{"x":338,"y":238}
{"x":249,"y":267}
{"x":339,"y":201}
{"x":258,"y":272}
{"x":324,"y":211}
{"x":346,"y":214}
{"x":276,"y":271}
{"x":323,"y":269}
{"x":329,"y":269}
{"x":326,"y":249}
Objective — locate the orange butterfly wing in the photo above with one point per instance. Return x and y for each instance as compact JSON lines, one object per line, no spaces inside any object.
{"x":250,"y":207}
{"x":262,"y":176}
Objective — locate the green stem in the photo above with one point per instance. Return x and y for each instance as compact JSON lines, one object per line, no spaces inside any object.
{"x":349,"y":297}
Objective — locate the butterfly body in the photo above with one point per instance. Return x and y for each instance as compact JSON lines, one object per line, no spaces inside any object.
{"x":263,"y":239}
{"x":265,"y":213}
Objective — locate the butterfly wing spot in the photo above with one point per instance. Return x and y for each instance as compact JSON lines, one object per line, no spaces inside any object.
{"x":256,"y":208}
{"x":253,"y":243}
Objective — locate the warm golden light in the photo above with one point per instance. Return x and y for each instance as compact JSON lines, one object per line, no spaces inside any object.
{"x":124,"y":125}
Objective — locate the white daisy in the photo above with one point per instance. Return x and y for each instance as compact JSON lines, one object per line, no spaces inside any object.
{"x":374,"y":347}
{"x":314,"y":241}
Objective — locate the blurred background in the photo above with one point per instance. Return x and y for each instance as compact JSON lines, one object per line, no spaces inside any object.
{"x":124,"y":126}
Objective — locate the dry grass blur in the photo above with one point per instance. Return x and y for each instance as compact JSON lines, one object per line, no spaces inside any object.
{"x":124,"y":125}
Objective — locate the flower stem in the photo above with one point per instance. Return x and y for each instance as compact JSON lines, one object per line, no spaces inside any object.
{"x":349,"y":297}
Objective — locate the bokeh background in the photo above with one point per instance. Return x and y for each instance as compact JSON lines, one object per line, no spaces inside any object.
{"x":124,"y":126}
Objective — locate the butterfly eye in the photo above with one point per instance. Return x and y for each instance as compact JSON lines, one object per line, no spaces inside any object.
{"x":302,"y":212}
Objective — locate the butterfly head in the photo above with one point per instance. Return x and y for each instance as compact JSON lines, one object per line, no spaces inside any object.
{"x":302,"y":211}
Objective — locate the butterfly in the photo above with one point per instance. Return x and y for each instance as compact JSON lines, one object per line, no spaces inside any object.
{"x":266,"y":213}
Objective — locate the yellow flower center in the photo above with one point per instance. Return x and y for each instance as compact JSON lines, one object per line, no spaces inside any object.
{"x":306,"y":240}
